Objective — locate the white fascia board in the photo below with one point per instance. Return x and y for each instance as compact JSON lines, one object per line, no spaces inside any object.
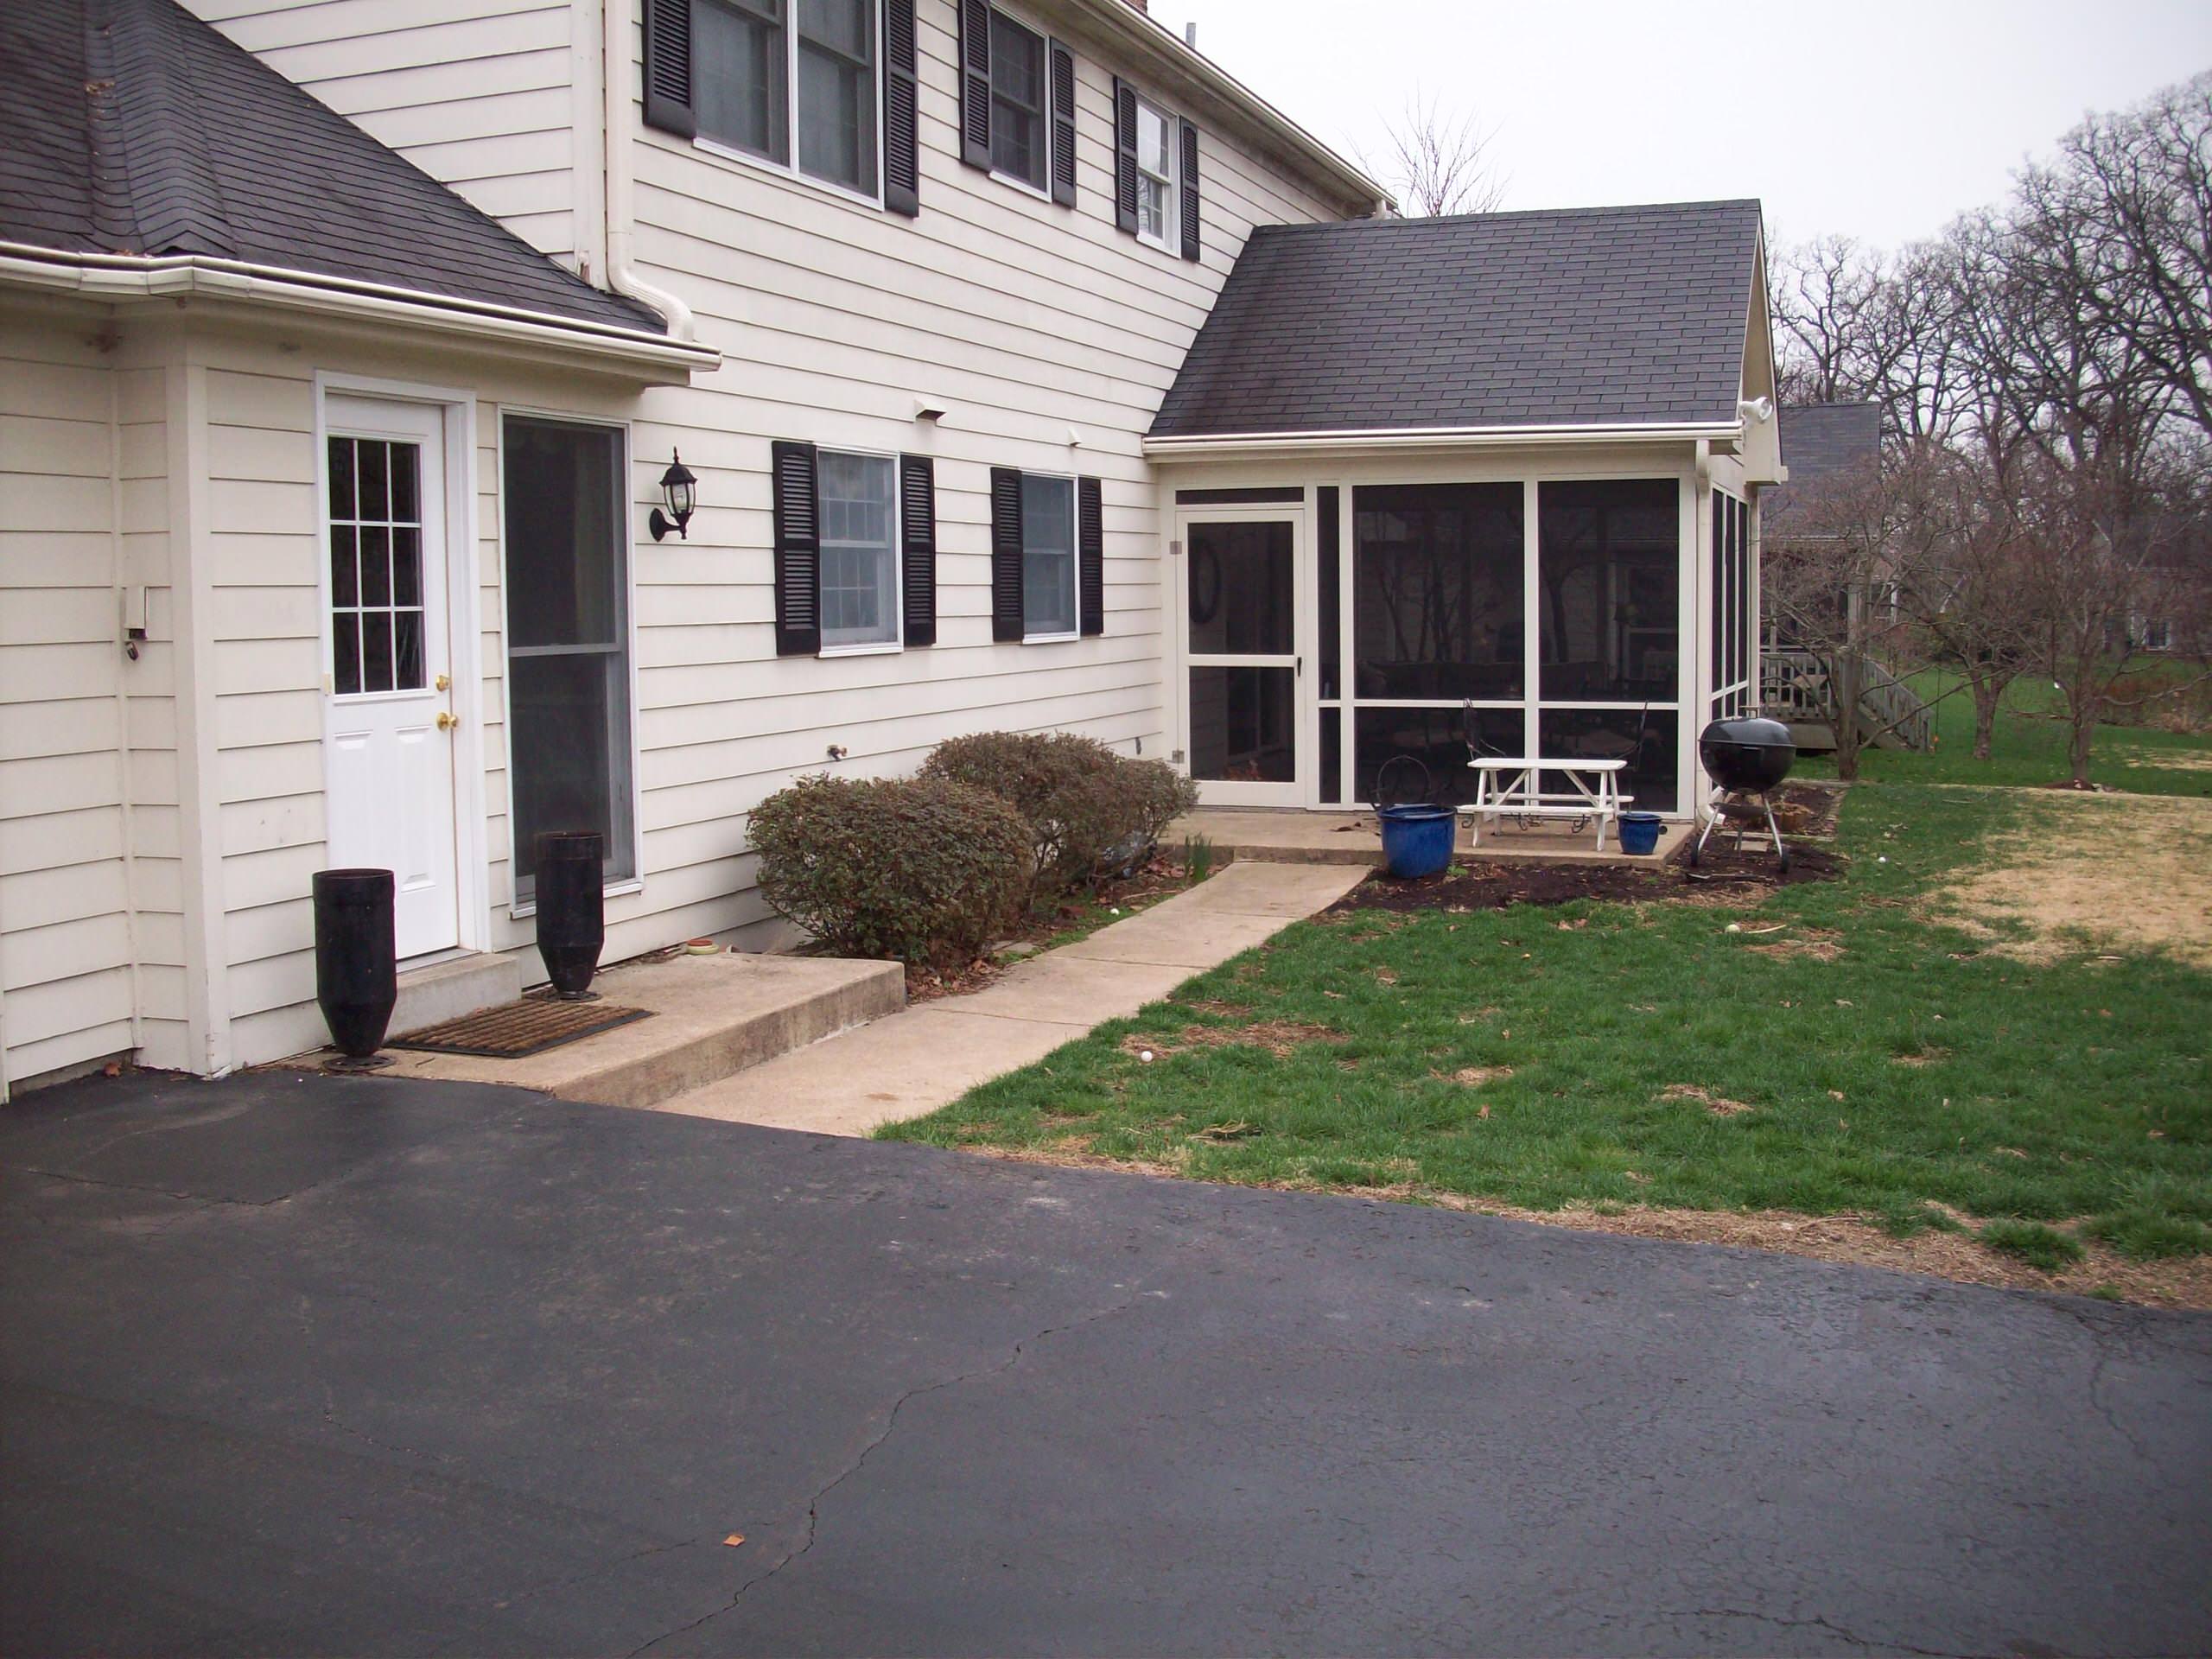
{"x":127,"y":279}
{"x":1253,"y":445}
{"x":1143,"y":31}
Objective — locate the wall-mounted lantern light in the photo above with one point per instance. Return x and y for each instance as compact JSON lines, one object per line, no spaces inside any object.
{"x":680,"y":489}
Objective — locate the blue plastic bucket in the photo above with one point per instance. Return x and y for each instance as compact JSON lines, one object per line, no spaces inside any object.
{"x":1416,"y":840}
{"x":1640,"y":833}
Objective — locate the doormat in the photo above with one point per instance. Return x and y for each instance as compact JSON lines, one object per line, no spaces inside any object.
{"x":514,"y":1031}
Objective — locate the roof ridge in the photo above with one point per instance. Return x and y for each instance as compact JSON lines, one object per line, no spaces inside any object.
{"x":1432,"y":220}
{"x":174,"y":185}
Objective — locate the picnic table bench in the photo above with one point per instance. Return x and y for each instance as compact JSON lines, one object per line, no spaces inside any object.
{"x":1512,"y":787}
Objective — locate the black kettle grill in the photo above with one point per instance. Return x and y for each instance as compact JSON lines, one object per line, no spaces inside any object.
{"x":1747,"y":760}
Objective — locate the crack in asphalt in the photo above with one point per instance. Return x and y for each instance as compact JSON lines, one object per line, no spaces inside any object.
{"x":890,"y":1424}
{"x":1832,"y":1628}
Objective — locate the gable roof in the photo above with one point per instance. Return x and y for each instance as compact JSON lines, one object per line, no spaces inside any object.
{"x":1821,"y":440}
{"x":131,"y":127}
{"x":1588,"y":317}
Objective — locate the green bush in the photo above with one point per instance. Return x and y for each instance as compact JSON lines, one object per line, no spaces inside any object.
{"x":925,"y":870}
{"x":1090,"y":812}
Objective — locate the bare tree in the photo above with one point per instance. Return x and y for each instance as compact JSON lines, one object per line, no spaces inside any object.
{"x":1440,"y":160}
{"x":1855,"y":324}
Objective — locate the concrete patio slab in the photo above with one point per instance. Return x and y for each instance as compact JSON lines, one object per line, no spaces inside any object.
{"x":1289,"y":836}
{"x":712,"y":1015}
{"x":928,"y":1056}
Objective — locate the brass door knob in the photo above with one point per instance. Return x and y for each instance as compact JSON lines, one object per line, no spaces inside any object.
{"x":447,"y":723}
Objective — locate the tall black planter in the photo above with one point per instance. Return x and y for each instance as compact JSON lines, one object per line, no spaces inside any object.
{"x":356,"y":958}
{"x":571,"y":908}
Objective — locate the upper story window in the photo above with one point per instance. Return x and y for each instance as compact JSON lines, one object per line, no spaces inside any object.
{"x":1019,"y":106}
{"x":1156,"y":220}
{"x":782,"y":77}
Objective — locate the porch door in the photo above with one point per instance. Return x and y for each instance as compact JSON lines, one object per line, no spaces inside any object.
{"x":1244,"y":587}
{"x":389,"y":722}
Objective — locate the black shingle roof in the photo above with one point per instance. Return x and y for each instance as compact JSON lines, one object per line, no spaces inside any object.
{"x":129,"y":126}
{"x":1821,"y":440}
{"x":1589,"y":316}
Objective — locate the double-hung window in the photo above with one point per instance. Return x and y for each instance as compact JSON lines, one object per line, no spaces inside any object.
{"x":791,"y":79}
{"x":1156,"y":217}
{"x":1048,"y":597}
{"x":858,"y":497}
{"x":1021,"y":103}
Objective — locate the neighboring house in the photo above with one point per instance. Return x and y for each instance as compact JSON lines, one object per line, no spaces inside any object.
{"x":332,"y":428}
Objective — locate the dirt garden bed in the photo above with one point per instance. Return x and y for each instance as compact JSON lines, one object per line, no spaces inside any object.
{"x":1495,"y":884}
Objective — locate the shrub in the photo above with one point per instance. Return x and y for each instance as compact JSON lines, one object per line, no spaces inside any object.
{"x":925,"y":870}
{"x":1090,"y":812}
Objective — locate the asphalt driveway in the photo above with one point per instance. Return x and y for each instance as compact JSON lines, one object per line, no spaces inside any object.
{"x":303,"y":1365}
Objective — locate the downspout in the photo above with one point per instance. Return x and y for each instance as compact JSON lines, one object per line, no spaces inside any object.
{"x":619,"y":135}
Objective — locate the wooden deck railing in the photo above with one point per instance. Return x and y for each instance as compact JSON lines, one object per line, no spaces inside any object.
{"x":1794,"y":686}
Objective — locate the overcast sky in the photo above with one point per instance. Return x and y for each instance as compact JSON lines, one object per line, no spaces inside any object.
{"x":1879,"y":118}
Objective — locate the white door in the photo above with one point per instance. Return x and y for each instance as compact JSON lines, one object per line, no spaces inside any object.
{"x":389,"y":706}
{"x":1245,"y":702}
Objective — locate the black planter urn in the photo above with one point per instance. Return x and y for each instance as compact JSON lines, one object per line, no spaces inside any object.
{"x":356,"y":958}
{"x":571,"y":908}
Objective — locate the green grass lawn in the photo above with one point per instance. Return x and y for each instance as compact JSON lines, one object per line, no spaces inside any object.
{"x":2028,"y":748}
{"x":1916,"y":1069}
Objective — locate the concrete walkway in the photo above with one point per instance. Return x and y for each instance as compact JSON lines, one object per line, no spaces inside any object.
{"x":928,"y":1056}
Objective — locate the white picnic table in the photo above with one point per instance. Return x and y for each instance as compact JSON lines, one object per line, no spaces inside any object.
{"x":1511,"y":786}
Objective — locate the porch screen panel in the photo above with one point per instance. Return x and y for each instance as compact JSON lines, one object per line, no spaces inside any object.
{"x":568,"y":640}
{"x":1442,"y":740}
{"x":1436,"y":592}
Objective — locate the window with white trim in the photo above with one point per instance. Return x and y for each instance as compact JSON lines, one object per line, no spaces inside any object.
{"x":1156,"y":217}
{"x":1048,"y":590}
{"x":780,"y":79}
{"x":1020,"y":104}
{"x":858,"y":497}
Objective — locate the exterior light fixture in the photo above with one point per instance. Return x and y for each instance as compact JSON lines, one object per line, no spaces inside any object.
{"x":680,"y":489}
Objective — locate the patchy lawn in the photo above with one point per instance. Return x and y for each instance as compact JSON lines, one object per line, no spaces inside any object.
{"x":1853,"y":1069}
{"x":2028,"y":747}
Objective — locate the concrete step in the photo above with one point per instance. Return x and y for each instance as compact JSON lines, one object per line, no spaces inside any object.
{"x":713,"y":1016}
{"x":446,"y":990}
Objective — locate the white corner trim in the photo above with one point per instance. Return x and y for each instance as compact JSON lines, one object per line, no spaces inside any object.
{"x":124,"y":278}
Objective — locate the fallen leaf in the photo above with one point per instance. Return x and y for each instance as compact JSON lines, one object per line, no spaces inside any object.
{"x":1482,"y":1111}
{"x":1835,"y":1094}
{"x":733,"y":1539}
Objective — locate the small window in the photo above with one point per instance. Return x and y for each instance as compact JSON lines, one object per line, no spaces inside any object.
{"x":1047,"y":557}
{"x":1156,"y":220}
{"x":748,"y":56}
{"x":1020,"y":102}
{"x":860,"y":550}
{"x":376,"y":567}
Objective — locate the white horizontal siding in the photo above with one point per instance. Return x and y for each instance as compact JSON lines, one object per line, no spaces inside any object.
{"x":475,"y":92}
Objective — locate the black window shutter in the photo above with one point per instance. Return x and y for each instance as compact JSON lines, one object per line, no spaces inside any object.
{"x":798,"y":552}
{"x":1006,"y":555}
{"x":1125,"y":155}
{"x":1063,"y":61}
{"x":668,"y":67}
{"x":1090,"y":556}
{"x":1189,"y":191}
{"x":902,"y":152}
{"x":918,"y":546}
{"x":975,"y":83}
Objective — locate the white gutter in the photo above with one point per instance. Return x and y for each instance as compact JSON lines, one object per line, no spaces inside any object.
{"x":1175,"y":447}
{"x":124,"y":278}
{"x":1142,"y":28}
{"x":618,"y":138}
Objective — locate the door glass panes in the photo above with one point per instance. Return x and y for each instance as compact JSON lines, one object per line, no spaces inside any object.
{"x":1608,"y":590}
{"x":738,"y":69}
{"x":376,"y":566}
{"x":1242,"y":589}
{"x":1017,"y":101}
{"x":1437,"y":590}
{"x":860,"y":565}
{"x":1047,"y":556}
{"x":1244,"y":725}
{"x":568,"y":639}
{"x":836,"y":92}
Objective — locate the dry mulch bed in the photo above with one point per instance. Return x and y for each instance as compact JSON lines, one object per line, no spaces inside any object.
{"x":1495,"y":884}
